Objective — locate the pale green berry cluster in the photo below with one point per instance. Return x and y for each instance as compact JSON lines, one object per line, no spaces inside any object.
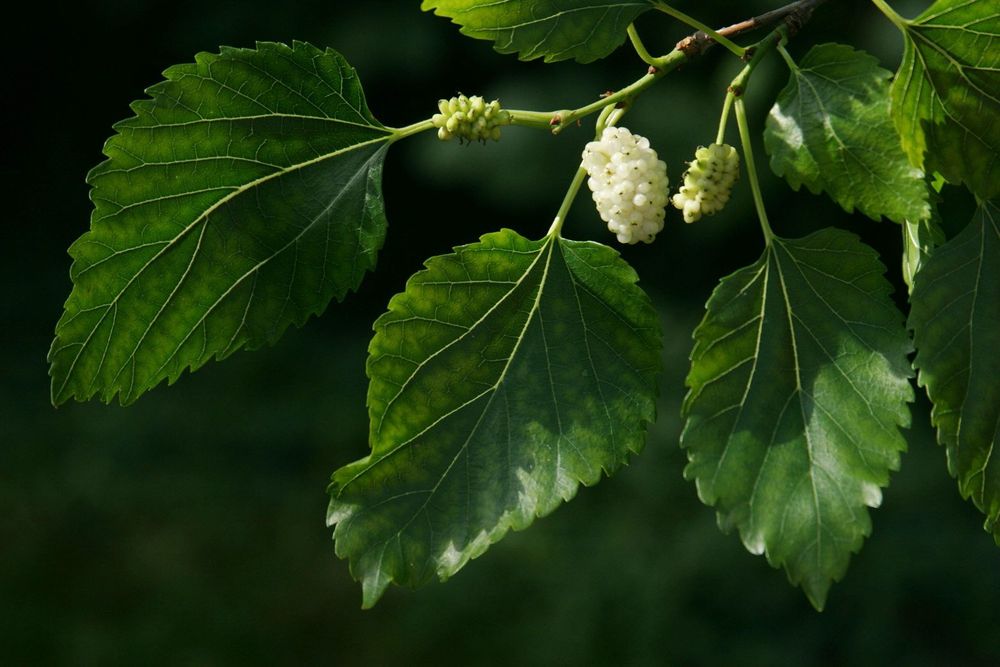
{"x":708,"y":181}
{"x":629,"y":184}
{"x":470,"y":119}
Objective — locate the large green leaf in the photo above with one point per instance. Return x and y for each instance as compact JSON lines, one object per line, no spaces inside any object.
{"x":504,"y":376}
{"x":554,"y":29}
{"x":831,"y":129}
{"x":239,"y":200}
{"x":946,"y":96}
{"x":798,"y":384}
{"x":955,"y":317}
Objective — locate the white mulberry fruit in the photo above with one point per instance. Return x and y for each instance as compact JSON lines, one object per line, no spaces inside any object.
{"x":629,"y":184}
{"x":708,"y":181}
{"x":470,"y":119}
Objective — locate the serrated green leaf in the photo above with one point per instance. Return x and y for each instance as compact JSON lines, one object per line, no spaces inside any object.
{"x":554,"y":29}
{"x":831,"y":129}
{"x":506,"y":374}
{"x":955,"y":317}
{"x":239,"y":200}
{"x":946,"y":96}
{"x":798,"y":384}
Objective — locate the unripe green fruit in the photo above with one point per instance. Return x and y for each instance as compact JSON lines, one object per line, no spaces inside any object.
{"x":708,"y":181}
{"x":470,"y":119}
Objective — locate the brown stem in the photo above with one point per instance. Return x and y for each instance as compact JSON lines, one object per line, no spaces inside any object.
{"x":794,"y":15}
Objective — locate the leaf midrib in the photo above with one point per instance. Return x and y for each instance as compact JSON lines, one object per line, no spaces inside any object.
{"x":468,"y":330}
{"x":127,"y":125}
{"x":535,"y":310}
{"x":363,"y":171}
{"x":799,"y":392}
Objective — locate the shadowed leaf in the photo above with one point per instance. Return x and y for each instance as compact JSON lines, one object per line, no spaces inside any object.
{"x":554,"y":29}
{"x":956,"y":324}
{"x":831,"y":130}
{"x":946,"y":95}
{"x":798,"y":384}
{"x":507,"y":374}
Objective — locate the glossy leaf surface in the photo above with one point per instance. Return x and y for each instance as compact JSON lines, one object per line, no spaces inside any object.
{"x":240,"y":199}
{"x":798,"y":384}
{"x":507,"y":374}
{"x":946,"y":95}
{"x":831,"y":130}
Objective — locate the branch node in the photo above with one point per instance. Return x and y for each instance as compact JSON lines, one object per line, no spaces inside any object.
{"x":793,"y":15}
{"x":693,"y":45}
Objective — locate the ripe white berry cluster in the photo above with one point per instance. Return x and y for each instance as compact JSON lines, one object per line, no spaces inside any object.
{"x":708,"y":181}
{"x":629,"y":184}
{"x":470,"y":119}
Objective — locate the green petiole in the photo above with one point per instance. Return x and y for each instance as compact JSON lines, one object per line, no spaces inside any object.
{"x":410,"y":130}
{"x":727,"y":104}
{"x":891,"y":14}
{"x":610,"y":116}
{"x":758,"y":199}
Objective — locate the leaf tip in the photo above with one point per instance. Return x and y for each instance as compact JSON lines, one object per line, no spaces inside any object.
{"x":817,"y":598}
{"x":816,"y":589}
{"x":373,"y":586}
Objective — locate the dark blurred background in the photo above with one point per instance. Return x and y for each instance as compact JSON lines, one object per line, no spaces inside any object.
{"x":189,"y":528}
